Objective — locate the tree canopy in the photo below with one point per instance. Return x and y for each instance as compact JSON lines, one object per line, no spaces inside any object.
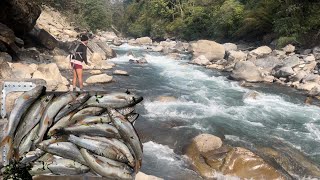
{"x":285,"y":20}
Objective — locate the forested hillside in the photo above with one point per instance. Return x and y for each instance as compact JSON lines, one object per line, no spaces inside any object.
{"x":293,"y":21}
{"x":286,"y":21}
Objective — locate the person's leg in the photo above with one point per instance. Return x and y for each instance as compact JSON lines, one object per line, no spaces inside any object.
{"x":79,"y":73}
{"x":74,"y":81}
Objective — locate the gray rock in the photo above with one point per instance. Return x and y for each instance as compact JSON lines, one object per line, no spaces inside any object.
{"x":311,"y":78}
{"x":291,"y":61}
{"x":45,"y":39}
{"x":316,"y":52}
{"x":268,"y":62}
{"x":246,"y":70}
{"x":7,"y":37}
{"x":19,"y":15}
{"x":110,"y":53}
{"x":5,"y":70}
{"x":299,"y":76}
{"x":5,"y":57}
{"x":201,"y":60}
{"x":282,"y":72}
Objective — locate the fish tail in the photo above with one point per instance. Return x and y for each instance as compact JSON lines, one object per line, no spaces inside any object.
{"x":132,"y":117}
{"x":6,"y":140}
{"x":137,"y":166}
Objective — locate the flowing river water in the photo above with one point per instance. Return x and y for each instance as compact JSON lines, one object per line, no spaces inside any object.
{"x":207,"y":102}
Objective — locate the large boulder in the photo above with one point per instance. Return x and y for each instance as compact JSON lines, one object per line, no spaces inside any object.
{"x":230,"y":47}
{"x":291,"y":61}
{"x":235,"y":56}
{"x":309,"y":67}
{"x":19,"y":15}
{"x":50,"y":73}
{"x":201,"y":60}
{"x":299,"y":76}
{"x":201,"y":145}
{"x":267,"y":63}
{"x":110,"y":53}
{"x":144,"y":41}
{"x":168,"y":44}
{"x":261,"y":51}
{"x":44,"y":38}
{"x":245,"y":164}
{"x":5,"y":57}
{"x":282,"y":72}
{"x":316,"y":52}
{"x":102,"y":78}
{"x":63,"y":62}
{"x":247,"y":71}
{"x":210,"y":156}
{"x":210,"y":49}
{"x":95,"y":48}
{"x":5,"y":70}
{"x":7,"y":37}
{"x":23,"y":71}
{"x":289,"y":48}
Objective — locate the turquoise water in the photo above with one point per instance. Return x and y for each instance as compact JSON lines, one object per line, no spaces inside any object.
{"x":207,"y":102}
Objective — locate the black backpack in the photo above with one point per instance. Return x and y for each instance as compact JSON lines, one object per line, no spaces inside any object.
{"x":72,"y":49}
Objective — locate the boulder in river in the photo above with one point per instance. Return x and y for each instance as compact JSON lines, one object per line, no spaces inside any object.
{"x":144,"y":41}
{"x":210,"y":49}
{"x":246,"y":70}
{"x":230,"y":47}
{"x":102,"y":78}
{"x":201,"y":60}
{"x":44,"y":38}
{"x":210,"y":156}
{"x":120,"y":72}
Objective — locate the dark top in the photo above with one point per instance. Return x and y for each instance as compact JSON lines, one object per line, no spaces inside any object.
{"x":81,"y":53}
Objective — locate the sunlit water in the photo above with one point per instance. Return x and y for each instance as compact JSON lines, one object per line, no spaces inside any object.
{"x":207,"y":102}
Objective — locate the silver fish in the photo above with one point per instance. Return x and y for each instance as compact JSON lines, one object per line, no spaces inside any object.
{"x":31,"y":119}
{"x":99,"y":148}
{"x":73,"y":117}
{"x":89,"y":111}
{"x":51,"y":111}
{"x":72,"y":106}
{"x":64,"y":149}
{"x":119,"y":145}
{"x":104,"y":130}
{"x":114,"y":100}
{"x":21,"y":106}
{"x":94,"y":120}
{"x":104,"y":169}
{"x":32,"y":156}
{"x":128,"y":134}
{"x":28,"y":140}
{"x":63,"y":122}
{"x":125,"y":111}
{"x":59,"y":167}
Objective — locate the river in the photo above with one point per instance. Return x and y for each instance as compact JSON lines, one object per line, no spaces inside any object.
{"x":207,"y":102}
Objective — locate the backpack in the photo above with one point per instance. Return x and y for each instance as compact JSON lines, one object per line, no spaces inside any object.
{"x":72,"y":49}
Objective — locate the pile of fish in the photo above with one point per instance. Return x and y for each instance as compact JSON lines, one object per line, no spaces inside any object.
{"x":74,"y":133}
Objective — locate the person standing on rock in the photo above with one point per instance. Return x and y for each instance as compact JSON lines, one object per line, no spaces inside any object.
{"x":77,"y":59}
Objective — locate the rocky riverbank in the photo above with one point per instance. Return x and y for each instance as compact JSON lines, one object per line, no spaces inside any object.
{"x":288,"y":66}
